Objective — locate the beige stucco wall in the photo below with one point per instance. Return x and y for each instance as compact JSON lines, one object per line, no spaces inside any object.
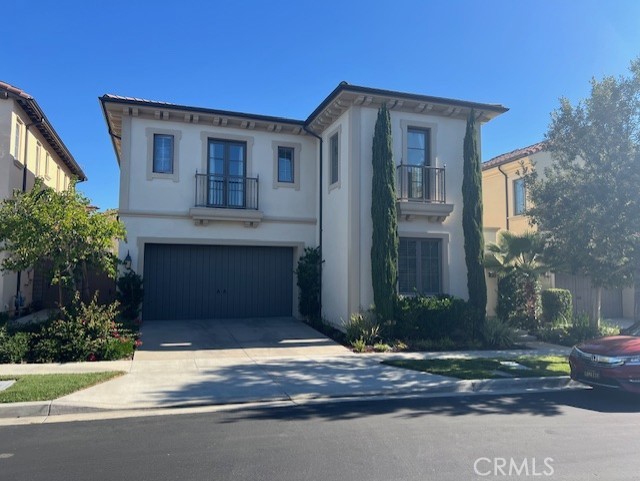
{"x":11,"y":175}
{"x":348,"y":228}
{"x":156,"y":210}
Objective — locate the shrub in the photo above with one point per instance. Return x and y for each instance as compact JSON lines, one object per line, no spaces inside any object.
{"x":519,"y":300}
{"x":129,"y":294}
{"x":4,"y":317}
{"x":557,"y":306}
{"x":359,"y":345}
{"x":363,"y":327}
{"x":434,"y":318}
{"x":13,"y":347}
{"x":577,"y":331}
{"x":497,"y":334}
{"x":308,"y":280}
{"x":381,"y":347}
{"x":80,"y":333}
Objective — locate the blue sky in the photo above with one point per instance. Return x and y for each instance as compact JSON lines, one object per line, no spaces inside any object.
{"x":283,"y":57}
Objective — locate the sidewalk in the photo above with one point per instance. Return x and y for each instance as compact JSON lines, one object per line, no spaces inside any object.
{"x":255,"y":377}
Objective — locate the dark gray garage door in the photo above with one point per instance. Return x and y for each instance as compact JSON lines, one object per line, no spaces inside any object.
{"x":216,"y":282}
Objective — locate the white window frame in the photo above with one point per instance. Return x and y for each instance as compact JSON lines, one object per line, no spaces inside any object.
{"x":297,"y":148}
{"x":18,"y":141}
{"x":177,"y":135}
{"x":36,"y":169}
{"x":47,"y":165}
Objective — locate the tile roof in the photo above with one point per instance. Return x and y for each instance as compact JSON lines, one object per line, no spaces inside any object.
{"x":514,"y":155}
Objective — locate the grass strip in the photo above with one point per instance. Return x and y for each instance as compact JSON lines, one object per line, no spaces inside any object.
{"x":487,"y":368}
{"x":46,"y":387}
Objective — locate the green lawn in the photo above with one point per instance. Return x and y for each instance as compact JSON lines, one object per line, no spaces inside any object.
{"x":485,"y":368}
{"x":45,"y":387}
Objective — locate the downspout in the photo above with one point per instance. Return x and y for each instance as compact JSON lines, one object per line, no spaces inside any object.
{"x":506,"y":194}
{"x":24,"y":189}
{"x":319,"y":213}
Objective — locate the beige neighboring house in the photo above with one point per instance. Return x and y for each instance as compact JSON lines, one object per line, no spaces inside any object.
{"x":29,"y":148}
{"x":504,"y":199}
{"x":220,"y":205}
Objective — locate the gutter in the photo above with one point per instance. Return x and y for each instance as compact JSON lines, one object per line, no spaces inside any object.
{"x":506,"y":194}
{"x":306,"y":129}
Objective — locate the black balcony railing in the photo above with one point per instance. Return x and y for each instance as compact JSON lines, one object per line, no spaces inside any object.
{"x":226,"y":191}
{"x":417,"y":183}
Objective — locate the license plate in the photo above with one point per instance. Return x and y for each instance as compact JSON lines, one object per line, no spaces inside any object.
{"x":590,"y":374}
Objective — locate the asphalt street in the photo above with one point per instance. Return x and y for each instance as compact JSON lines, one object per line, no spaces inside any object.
{"x":567,"y":435}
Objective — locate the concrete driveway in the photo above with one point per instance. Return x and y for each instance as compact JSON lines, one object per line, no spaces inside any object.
{"x":186,"y":363}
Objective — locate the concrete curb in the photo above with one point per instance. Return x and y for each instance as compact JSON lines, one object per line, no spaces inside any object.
{"x":44,"y":409}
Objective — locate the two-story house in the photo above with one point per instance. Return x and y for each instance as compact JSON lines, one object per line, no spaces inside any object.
{"x":220,"y":205}
{"x":29,"y":148}
{"x":505,"y":201}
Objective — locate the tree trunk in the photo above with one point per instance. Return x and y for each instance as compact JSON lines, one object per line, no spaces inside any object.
{"x":597,"y":304}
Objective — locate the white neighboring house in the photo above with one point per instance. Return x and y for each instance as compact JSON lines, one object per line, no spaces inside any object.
{"x":219,"y":205}
{"x":29,"y":148}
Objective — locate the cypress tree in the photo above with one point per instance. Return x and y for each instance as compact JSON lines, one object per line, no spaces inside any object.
{"x":384,"y":245}
{"x":472,"y":219}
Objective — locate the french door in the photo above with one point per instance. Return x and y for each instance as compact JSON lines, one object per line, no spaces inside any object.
{"x":227,"y":162}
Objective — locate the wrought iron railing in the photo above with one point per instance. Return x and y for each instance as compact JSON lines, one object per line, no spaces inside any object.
{"x":226,"y":191}
{"x":417,"y":183}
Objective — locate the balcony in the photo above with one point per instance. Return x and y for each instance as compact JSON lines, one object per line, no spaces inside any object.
{"x":228,"y":198}
{"x":422,"y":193}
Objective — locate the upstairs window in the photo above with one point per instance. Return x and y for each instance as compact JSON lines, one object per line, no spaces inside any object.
{"x":47,"y":161}
{"x":418,"y":148}
{"x":38,"y":158}
{"x":163,"y":154}
{"x":17,"y":140}
{"x":519,"y":197}
{"x":286,"y":164}
{"x":334,"y":159}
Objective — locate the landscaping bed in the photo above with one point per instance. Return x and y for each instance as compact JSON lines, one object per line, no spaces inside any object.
{"x":46,"y":387}
{"x":488,"y":368}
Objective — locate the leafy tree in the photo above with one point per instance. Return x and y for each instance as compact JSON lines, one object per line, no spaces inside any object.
{"x":384,"y":245}
{"x":586,"y":205}
{"x":60,"y":228}
{"x":472,"y":219}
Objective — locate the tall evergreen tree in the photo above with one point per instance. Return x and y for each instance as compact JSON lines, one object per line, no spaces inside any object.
{"x":472,"y":219}
{"x":384,"y":245}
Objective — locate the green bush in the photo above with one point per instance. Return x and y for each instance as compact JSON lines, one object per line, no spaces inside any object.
{"x":83,"y":332}
{"x":574,"y":332}
{"x":13,"y":347}
{"x":359,"y":345}
{"x":308,"y":280}
{"x":497,"y":334}
{"x":363,"y":326}
{"x":519,"y":300}
{"x":381,"y":347}
{"x":434,"y":318}
{"x":129,"y":294}
{"x":557,"y":306}
{"x":425,"y":345}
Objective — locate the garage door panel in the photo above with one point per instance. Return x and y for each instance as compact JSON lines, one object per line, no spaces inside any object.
{"x":213,"y":282}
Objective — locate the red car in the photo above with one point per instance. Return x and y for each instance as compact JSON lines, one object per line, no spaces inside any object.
{"x":610,"y":362}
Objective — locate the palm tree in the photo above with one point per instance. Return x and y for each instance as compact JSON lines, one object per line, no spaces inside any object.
{"x":518,"y":261}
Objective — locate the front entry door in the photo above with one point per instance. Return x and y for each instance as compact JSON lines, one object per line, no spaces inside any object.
{"x":227,"y":173}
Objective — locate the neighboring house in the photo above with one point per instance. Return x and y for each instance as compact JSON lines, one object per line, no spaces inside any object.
{"x":29,"y":148}
{"x":220,"y":205}
{"x":505,"y":200}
